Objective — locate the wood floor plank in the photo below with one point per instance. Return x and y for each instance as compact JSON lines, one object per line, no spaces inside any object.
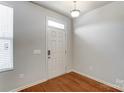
{"x":94,"y":83}
{"x":71,"y":82}
{"x":82,"y":85}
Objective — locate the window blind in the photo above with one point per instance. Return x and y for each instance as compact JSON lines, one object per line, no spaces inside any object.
{"x":6,"y":38}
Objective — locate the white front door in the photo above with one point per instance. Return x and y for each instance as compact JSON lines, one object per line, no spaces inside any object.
{"x":56,"y":52}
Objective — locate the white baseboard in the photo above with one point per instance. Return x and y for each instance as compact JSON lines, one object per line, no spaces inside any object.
{"x":32,"y":84}
{"x":104,"y":82}
{"x":70,"y":70}
{"x":40,"y":81}
{"x":27,"y":86}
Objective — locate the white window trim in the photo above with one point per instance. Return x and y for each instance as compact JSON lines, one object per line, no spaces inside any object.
{"x":11,"y":40}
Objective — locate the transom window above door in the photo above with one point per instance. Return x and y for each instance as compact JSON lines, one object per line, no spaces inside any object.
{"x":54,"y":24}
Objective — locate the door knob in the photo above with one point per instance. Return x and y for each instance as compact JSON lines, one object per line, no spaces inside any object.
{"x":48,"y":52}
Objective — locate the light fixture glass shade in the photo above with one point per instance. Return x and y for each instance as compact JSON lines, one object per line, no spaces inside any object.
{"x":75,"y":13}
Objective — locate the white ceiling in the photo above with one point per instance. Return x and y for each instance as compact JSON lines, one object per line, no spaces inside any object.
{"x":64,"y":7}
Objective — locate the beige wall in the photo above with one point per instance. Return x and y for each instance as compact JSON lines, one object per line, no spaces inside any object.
{"x":29,"y":34}
{"x":98,"y":43}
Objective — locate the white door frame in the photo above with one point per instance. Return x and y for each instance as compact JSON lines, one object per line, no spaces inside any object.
{"x":65,"y":29}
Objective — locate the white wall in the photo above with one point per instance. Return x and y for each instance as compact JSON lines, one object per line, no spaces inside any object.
{"x":29,"y":34}
{"x":99,"y":43}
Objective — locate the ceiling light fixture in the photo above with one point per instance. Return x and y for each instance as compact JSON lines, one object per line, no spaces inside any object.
{"x":75,"y":12}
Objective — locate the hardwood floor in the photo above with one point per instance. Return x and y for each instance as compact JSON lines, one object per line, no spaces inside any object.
{"x":71,"y":82}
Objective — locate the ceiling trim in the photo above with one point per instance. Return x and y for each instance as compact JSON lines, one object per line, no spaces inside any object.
{"x":49,"y":9}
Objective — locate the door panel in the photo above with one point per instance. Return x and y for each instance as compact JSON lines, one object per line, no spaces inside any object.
{"x":56,"y":46}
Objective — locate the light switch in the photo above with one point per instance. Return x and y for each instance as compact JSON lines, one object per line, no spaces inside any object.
{"x":36,"y":52}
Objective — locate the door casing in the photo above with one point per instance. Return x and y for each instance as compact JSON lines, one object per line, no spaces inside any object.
{"x":65,"y":29}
